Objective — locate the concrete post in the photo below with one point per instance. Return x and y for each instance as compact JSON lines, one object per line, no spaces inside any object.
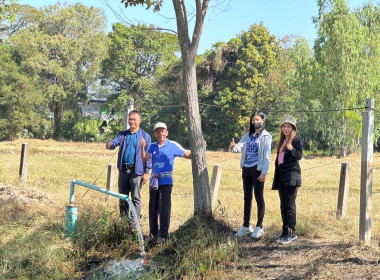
{"x":215,"y":183}
{"x":128,"y":108}
{"x":366,"y":172}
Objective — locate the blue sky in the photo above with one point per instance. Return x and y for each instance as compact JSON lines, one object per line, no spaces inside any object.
{"x":281,"y":17}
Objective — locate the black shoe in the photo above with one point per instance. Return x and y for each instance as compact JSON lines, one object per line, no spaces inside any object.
{"x":150,"y":238}
{"x":291,"y":236}
{"x":283,"y":234}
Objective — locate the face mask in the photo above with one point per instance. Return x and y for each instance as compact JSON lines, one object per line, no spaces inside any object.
{"x":258,"y":124}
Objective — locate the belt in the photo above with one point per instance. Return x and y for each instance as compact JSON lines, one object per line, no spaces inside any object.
{"x":128,"y":166}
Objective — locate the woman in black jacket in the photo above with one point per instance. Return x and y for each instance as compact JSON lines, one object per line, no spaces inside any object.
{"x":287,"y":176}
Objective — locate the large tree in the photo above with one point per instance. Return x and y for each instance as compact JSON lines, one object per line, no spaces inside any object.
{"x":339,"y":76}
{"x":234,"y":79}
{"x":136,"y":56}
{"x":21,"y":104}
{"x":7,"y":10}
{"x":189,"y":47}
{"x":63,"y":48}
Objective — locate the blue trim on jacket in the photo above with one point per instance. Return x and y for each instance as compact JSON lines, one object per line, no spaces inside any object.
{"x":121,"y":140}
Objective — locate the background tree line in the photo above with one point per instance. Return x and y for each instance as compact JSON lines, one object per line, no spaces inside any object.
{"x":52,"y":58}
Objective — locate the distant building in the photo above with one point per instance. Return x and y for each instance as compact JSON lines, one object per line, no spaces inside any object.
{"x":96,"y":108}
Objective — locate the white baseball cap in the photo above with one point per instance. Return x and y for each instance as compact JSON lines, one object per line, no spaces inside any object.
{"x":159,"y":125}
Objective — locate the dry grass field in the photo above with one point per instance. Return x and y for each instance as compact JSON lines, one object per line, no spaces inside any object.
{"x":327,"y":248}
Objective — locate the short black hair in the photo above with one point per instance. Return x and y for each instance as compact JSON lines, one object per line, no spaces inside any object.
{"x":134,"y":112}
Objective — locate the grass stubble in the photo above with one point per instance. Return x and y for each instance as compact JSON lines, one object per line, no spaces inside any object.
{"x":201,"y":247}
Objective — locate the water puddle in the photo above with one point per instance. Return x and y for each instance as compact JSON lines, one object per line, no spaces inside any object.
{"x":134,"y":266}
{"x":124,"y":269}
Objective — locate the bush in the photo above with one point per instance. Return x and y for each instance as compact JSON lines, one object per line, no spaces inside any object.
{"x":78,"y":128}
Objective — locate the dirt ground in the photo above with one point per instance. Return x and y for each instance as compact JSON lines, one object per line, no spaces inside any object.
{"x":266,"y":258}
{"x":306,"y":259}
{"x":9,"y":193}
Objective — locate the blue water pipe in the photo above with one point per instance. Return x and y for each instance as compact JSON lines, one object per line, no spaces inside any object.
{"x":72,"y":211}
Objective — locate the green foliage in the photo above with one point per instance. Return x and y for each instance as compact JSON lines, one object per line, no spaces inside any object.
{"x":136,"y":57}
{"x":51,"y":58}
{"x":79,"y":128}
{"x":156,"y":4}
{"x":62,"y":50}
{"x":340,"y":78}
{"x":20,"y":102}
{"x":7,"y":10}
{"x":234,"y":80}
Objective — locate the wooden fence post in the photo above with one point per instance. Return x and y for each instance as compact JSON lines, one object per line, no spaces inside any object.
{"x":128,"y":108}
{"x":111,"y":178}
{"x":215,"y":183}
{"x":23,"y":172}
{"x":344,"y":185}
{"x":366,"y":172}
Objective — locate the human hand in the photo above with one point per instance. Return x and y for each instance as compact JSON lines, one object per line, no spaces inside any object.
{"x":262,"y":178}
{"x":145,"y":178}
{"x":289,"y":145}
{"x":142,"y":143}
{"x":232,"y":144}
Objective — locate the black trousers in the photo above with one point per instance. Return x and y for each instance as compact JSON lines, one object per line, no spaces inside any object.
{"x":252,"y":185}
{"x":130,"y":184}
{"x":288,"y":195}
{"x":160,"y":206}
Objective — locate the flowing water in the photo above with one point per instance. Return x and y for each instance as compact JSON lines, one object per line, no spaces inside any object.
{"x":126,"y":268}
{"x":136,"y":220}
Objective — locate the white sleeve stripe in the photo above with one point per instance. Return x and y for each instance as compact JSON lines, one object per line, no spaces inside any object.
{"x":178,"y":145}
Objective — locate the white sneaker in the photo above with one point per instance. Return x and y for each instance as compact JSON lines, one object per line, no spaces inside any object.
{"x":258,"y":232}
{"x":244,"y":231}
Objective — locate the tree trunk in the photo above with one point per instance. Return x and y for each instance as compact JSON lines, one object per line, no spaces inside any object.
{"x":58,"y":113}
{"x":201,"y":186}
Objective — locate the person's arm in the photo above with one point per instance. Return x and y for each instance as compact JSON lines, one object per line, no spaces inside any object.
{"x":112,"y":144}
{"x":187,"y":155}
{"x":144,"y":155}
{"x":237,"y":148}
{"x":296,"y":148}
{"x":108,"y":145}
{"x":148,"y":164}
{"x":267,"y":151}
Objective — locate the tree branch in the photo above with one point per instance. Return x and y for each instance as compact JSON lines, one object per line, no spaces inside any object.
{"x":125,"y":20}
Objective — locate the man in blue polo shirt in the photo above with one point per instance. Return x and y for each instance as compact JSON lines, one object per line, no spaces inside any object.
{"x":162,"y":154}
{"x":133,"y":172}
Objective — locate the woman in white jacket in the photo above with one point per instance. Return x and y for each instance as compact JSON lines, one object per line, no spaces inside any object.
{"x":255,"y":147}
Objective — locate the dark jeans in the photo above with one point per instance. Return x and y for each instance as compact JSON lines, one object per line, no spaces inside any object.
{"x":288,"y":195}
{"x":250,"y":185}
{"x":130,"y":184}
{"x":160,"y":207}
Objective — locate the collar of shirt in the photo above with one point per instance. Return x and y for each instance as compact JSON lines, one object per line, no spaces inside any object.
{"x":166,"y":142}
{"x":130,"y":132}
